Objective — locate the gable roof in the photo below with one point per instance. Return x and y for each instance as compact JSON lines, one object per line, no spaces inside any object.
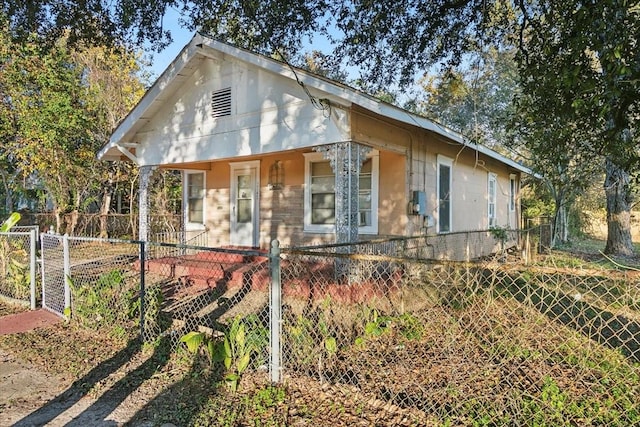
{"x":201,"y":47}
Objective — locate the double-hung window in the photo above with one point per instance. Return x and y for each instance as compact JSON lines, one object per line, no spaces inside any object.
{"x":194,"y":192}
{"x":320,"y":195}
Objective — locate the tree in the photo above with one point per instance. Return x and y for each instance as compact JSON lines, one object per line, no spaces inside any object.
{"x":114,"y":82}
{"x":51,"y":128}
{"x":475,"y":98}
{"x":580,"y":72}
{"x":59,"y":107}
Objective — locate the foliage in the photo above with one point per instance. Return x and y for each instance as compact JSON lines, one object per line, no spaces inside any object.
{"x":312,"y":339}
{"x":59,"y":106}
{"x":14,"y":261}
{"x":243,"y":339}
{"x":473,"y":98}
{"x":586,"y":56}
{"x":386,"y":40}
{"x":13,"y":219}
{"x":261,"y":407}
{"x":376,"y":325}
{"x":103,"y":303}
{"x":499,"y":233}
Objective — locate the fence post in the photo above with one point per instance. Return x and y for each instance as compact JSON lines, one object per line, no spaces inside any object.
{"x":67,"y":272}
{"x":275,"y":312}
{"x":467,"y":249}
{"x":142,"y":256}
{"x":32,"y":267}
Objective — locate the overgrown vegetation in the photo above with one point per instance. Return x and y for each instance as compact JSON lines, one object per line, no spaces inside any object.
{"x":14,"y":262}
{"x":244,"y":342}
{"x":527,"y":345}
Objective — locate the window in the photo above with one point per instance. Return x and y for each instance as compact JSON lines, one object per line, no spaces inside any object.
{"x":491,"y":196}
{"x":512,"y":192}
{"x":194,"y":196}
{"x":323,"y":193}
{"x":365,"y":196}
{"x":444,"y":179}
{"x":320,"y":195}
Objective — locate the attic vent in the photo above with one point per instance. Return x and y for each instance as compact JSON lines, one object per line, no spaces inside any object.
{"x":221,"y":103}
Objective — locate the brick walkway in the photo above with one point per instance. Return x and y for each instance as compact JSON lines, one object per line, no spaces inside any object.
{"x":27,"y":321}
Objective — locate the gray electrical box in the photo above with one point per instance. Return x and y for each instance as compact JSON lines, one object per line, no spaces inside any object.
{"x":419,"y":203}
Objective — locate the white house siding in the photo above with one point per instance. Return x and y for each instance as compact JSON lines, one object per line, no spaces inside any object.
{"x":269,"y":114}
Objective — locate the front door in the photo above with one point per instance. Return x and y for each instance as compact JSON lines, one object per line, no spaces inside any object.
{"x":244,"y":203}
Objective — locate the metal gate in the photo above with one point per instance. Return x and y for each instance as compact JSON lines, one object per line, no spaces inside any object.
{"x":56,"y":295}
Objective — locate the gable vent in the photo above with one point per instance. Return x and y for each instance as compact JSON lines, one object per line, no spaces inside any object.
{"x":221,"y":103}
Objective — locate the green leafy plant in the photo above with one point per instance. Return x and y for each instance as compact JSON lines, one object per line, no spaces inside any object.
{"x":18,"y":274}
{"x":499,"y":233}
{"x":234,"y":353}
{"x":311,"y":343}
{"x":103,"y":303}
{"x":13,"y":219}
{"x":375,"y":325}
{"x":154,"y":319}
{"x":407,"y":325}
{"x":243,"y":339}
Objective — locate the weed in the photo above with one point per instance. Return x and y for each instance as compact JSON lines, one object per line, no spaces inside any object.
{"x":312,"y":342}
{"x":14,"y":264}
{"x":407,"y":325}
{"x":243,"y":339}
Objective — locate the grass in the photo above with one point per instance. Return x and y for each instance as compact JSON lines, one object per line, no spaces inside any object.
{"x":587,"y":253}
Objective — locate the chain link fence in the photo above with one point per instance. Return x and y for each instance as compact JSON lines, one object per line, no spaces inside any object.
{"x":458,"y":246}
{"x":491,"y":342}
{"x":92,"y":282}
{"x":159,"y":291}
{"x":207,"y":290}
{"x":386,"y":324}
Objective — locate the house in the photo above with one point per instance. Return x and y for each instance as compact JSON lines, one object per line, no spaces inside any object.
{"x":273,"y":152}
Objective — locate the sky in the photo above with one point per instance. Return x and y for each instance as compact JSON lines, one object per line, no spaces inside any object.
{"x":181,"y":37}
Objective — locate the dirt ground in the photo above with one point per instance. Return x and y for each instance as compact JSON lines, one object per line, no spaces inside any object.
{"x":30,"y":396}
{"x":34,"y":393}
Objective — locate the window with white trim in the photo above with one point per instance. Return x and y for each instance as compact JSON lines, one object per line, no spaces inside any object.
{"x":444,"y":181}
{"x":320,"y":195}
{"x":492,"y":185}
{"x":194,"y":193}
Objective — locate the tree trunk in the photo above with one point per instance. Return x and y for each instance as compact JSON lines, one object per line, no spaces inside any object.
{"x":618,"y":193}
{"x":8,"y":191}
{"x":561,"y":224}
{"x":72,"y":222}
{"x":58,"y":213}
{"x":104,"y":211}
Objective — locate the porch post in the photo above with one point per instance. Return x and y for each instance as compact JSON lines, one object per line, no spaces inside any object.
{"x":346,"y":160}
{"x":143,"y":203}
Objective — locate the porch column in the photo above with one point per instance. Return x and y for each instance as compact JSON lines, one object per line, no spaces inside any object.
{"x":346,"y":160}
{"x":143,"y":202}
